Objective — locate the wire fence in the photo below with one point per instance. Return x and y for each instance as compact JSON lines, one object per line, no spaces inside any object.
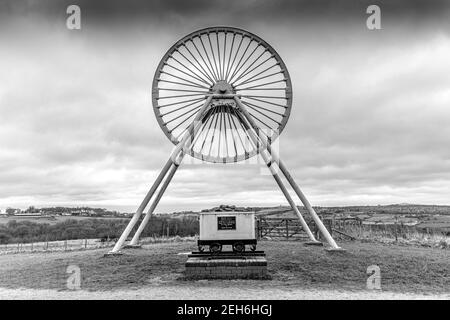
{"x":62,"y":245}
{"x":82,"y":244}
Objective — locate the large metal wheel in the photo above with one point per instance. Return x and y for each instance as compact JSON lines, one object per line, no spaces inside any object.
{"x":221,"y":60}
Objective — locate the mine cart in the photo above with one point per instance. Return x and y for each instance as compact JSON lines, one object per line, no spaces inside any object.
{"x":227,"y":228}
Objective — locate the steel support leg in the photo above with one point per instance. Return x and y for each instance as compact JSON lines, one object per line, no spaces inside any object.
{"x":308,"y":206}
{"x":192,"y":130}
{"x":275,"y":158}
{"x":291,"y":202}
{"x":149,"y":213}
{"x":141,"y":208}
{"x":278,"y":180}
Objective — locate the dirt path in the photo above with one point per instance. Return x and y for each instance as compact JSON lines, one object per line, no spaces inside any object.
{"x":208,"y":292}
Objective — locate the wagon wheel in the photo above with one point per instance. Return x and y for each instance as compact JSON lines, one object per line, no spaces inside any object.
{"x":215,"y":247}
{"x":221,"y":60}
{"x":238,"y":247}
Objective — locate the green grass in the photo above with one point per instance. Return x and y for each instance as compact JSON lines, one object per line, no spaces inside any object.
{"x":290,"y":264}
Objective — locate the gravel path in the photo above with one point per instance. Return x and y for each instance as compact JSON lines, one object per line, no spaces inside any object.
{"x":208,"y":292}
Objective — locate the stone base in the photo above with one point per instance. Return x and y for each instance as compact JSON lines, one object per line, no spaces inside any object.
{"x":113,"y":254}
{"x":133,"y":246}
{"x":313,"y":243}
{"x":231,"y":268}
{"x":335,"y":250}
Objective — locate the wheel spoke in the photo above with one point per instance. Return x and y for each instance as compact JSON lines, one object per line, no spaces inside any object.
{"x":209,"y":128}
{"x":178,"y":109}
{"x":187,"y":74}
{"x":263,"y":114}
{"x":201,"y":72}
{"x":183,"y":90}
{"x":179,"y":78}
{"x":229,"y":56}
{"x":201,"y":56}
{"x":260,"y":107}
{"x":183,"y":101}
{"x":249,"y":66}
{"x":236,"y":133}
{"x":218,"y":55}
{"x":205,"y":72}
{"x":224,"y":53}
{"x":259,"y":120}
{"x":213,"y":135}
{"x":267,"y":97}
{"x":225,"y":129}
{"x":181,"y":115}
{"x":187,"y":118}
{"x":209,"y":60}
{"x":232,"y":133}
{"x":245,"y":127}
{"x":234,"y":59}
{"x":181,"y":96}
{"x":256,"y":67}
{"x":264,"y":84}
{"x":213,"y":56}
{"x":260,"y":78}
{"x":190,"y":70}
{"x":239,"y":67}
{"x":272,"y":103}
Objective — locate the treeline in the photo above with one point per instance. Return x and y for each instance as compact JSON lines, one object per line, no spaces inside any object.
{"x":28,"y":231}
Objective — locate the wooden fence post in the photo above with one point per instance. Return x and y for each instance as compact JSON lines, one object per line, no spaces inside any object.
{"x":287,"y":229}
{"x":258,"y":229}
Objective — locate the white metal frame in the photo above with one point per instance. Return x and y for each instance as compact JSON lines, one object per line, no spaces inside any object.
{"x":269,"y":156}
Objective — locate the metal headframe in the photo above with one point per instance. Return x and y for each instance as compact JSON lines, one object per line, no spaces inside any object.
{"x":223,"y":95}
{"x":221,"y":60}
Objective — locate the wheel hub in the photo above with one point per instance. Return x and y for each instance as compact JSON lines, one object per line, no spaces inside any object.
{"x":222,"y":87}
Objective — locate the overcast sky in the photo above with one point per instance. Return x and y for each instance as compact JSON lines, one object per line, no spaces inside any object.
{"x":370,"y":121}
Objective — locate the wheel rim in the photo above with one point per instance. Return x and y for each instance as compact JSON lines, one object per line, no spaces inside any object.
{"x":221,"y":60}
{"x":215,"y":247}
{"x":239,"y":247}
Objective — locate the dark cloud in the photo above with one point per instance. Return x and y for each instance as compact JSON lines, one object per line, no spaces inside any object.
{"x":116,"y":12}
{"x":369,"y":122}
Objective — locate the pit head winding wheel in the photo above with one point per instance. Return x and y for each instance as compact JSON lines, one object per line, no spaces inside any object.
{"x":223,"y":62}
{"x":222,"y":95}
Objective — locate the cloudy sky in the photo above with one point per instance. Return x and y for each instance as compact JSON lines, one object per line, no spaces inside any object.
{"x":370,"y":122}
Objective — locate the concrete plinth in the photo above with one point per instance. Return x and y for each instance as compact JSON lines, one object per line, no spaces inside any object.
{"x":253,"y":267}
{"x":133,"y":246}
{"x":335,"y":250}
{"x":113,"y":254}
{"x":313,"y":243}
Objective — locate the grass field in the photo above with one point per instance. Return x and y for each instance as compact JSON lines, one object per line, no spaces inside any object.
{"x":291,"y":265}
{"x":51,"y":219}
